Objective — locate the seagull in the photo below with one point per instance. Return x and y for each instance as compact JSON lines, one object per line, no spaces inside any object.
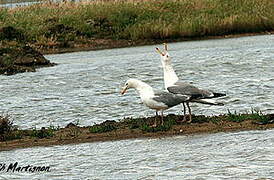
{"x":158,"y":100}
{"x":173,"y":85}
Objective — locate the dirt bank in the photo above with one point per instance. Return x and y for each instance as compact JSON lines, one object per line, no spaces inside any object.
{"x":99,"y":44}
{"x":21,"y":58}
{"x":136,"y":128}
{"x":16,"y":57}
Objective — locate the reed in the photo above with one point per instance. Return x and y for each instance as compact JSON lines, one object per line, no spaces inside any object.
{"x":58,"y":24}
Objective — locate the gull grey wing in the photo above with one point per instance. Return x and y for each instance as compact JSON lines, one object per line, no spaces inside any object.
{"x":190,"y":90}
{"x":170,"y":99}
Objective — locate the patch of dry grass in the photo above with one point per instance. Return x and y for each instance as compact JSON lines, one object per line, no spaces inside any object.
{"x":6,"y":128}
{"x":58,"y":24}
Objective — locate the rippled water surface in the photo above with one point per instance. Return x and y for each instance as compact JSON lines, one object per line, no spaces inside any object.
{"x":243,"y":155}
{"x":85,"y":87}
{"x":17,"y":3}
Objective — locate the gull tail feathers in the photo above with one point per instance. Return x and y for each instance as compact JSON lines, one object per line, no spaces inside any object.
{"x":208,"y":101}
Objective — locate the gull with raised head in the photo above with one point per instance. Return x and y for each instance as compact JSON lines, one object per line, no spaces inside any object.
{"x":173,"y":85}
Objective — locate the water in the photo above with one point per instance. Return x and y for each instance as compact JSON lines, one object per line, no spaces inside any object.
{"x":84,"y":88}
{"x":242,"y":155}
{"x":17,"y":3}
{"x":22,"y":3}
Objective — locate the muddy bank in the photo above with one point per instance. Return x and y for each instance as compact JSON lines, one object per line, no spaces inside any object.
{"x":133,"y":128}
{"x":99,"y":44}
{"x":22,"y":58}
{"x":16,"y":56}
{"x":13,"y":39}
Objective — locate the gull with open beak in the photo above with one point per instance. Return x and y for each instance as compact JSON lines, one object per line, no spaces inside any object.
{"x":173,"y":85}
{"x":158,"y":100}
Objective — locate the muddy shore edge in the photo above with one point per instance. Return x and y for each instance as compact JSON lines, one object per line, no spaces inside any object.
{"x":101,"y":44}
{"x":20,"y":58}
{"x":131,"y":128}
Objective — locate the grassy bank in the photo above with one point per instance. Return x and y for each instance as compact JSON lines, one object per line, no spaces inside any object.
{"x":99,"y":23}
{"x":20,"y":58}
{"x":11,"y":137}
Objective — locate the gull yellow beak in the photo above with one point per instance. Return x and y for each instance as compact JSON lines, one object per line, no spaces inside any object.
{"x":158,"y":50}
{"x":124,"y":89}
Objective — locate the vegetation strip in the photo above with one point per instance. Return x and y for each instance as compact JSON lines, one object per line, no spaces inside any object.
{"x":75,"y":26}
{"x":99,"y":24}
{"x":12,"y":137}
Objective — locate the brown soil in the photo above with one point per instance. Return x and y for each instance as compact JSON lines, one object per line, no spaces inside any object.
{"x":73,"y":134}
{"x":16,"y":57}
{"x":99,"y":44}
{"x":21,"y":58}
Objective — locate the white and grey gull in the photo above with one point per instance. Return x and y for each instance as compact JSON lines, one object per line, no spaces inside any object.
{"x":158,"y":100}
{"x":174,"y":85}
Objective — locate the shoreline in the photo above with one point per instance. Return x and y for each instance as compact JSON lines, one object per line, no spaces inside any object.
{"x":68,"y":26}
{"x":139,"y":128}
{"x":73,"y":134}
{"x":28,"y":58}
{"x":101,"y":44}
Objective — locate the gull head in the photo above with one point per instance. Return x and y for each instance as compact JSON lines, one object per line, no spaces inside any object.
{"x":165,"y":58}
{"x":131,"y":83}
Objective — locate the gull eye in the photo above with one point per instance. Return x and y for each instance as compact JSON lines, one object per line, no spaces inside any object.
{"x":167,"y":56}
{"x":126,"y":84}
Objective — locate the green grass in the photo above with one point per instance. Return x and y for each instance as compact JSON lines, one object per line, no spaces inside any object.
{"x":15,"y":134}
{"x":255,"y":115}
{"x":6,"y":59}
{"x":8,"y":131}
{"x":57,"y":24}
{"x":145,"y":124}
{"x":133,"y":123}
{"x":43,"y":132}
{"x":168,"y":123}
{"x":101,"y":128}
{"x":6,"y":128}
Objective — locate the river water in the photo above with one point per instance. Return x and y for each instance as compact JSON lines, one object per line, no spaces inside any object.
{"x":242,"y":155}
{"x":17,"y":3}
{"x":84,"y":88}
